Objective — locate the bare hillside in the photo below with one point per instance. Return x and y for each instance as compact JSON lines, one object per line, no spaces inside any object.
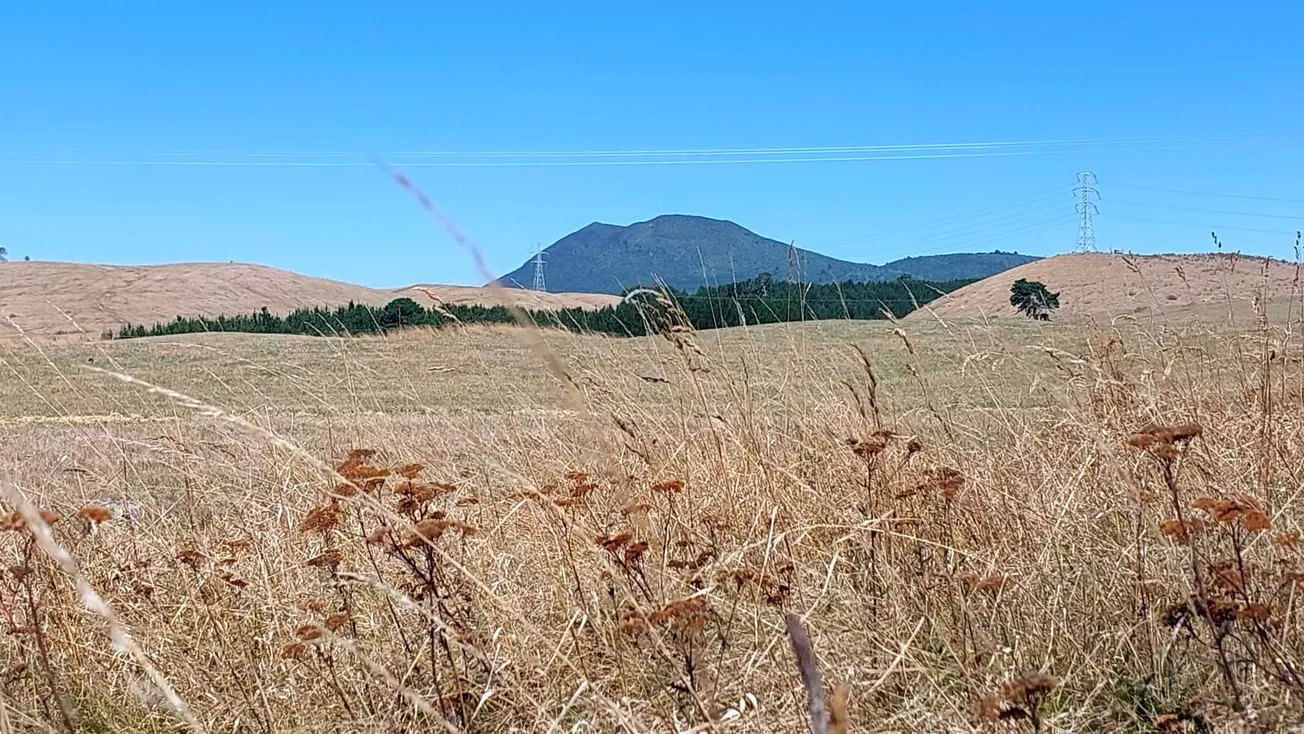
{"x":50,"y":299}
{"x":1100,"y":284}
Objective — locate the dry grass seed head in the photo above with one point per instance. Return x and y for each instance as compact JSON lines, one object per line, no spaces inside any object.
{"x":94,"y":514}
{"x":329,"y":558}
{"x":321,"y":519}
{"x":672,"y":486}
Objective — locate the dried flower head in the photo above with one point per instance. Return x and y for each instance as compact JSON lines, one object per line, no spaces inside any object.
{"x":362,"y":474}
{"x":944,"y":480}
{"x":1256,"y":520}
{"x":637,"y":508}
{"x":191,"y":557}
{"x":672,"y":486}
{"x":696,"y":564}
{"x":1019,"y":699}
{"x":321,"y":519}
{"x":685,"y":614}
{"x":1177,"y":614}
{"x":314,"y":604}
{"x":380,"y":535}
{"x":94,"y":514}
{"x":329,"y":558}
{"x":634,"y":552}
{"x":992,"y":582}
{"x":614,"y":542}
{"x":409,"y":471}
{"x":1162,"y":441}
{"x":1181,"y":531}
{"x":430,"y":529}
{"x":309,"y":631}
{"x":1254,"y":612}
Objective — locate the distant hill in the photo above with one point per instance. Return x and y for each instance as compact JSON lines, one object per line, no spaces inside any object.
{"x":53,"y":298}
{"x":1105,"y":285}
{"x":689,"y":252}
{"x":960,"y":266}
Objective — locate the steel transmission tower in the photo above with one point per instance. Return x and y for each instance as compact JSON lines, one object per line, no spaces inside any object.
{"x":1087,"y":196}
{"x":538,"y":271}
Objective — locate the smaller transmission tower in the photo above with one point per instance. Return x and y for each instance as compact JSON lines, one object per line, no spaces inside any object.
{"x":1087,"y":196}
{"x":538,"y":271}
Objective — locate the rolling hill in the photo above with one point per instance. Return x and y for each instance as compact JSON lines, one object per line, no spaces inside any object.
{"x":50,"y":298}
{"x":688,"y":252}
{"x":1106,"y":285}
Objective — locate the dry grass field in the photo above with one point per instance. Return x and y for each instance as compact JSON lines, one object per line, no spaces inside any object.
{"x":1151,"y":286}
{"x":75,"y":301}
{"x":1087,"y":526}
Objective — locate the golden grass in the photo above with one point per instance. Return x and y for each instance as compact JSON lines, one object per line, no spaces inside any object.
{"x":974,"y":525}
{"x":76,"y":302}
{"x":1155,"y":287}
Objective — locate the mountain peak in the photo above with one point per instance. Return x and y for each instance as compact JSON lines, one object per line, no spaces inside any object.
{"x":688,"y":251}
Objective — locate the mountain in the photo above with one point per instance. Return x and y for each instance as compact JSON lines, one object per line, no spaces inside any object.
{"x":959,"y":266}
{"x":688,"y":252}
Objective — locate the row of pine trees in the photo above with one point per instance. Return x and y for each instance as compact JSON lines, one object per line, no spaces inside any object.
{"x":761,"y":300}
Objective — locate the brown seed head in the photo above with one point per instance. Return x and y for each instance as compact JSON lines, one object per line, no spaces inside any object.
{"x":1162,"y":441}
{"x":1256,"y":520}
{"x":329,"y":558}
{"x":94,"y":514}
{"x":634,"y":552}
{"x":191,"y":557}
{"x":308,"y":631}
{"x":672,"y":486}
{"x":430,"y":529}
{"x":379,"y":535}
{"x":321,"y":519}
{"x":1180,"y":531}
{"x":614,"y":542}
{"x":1254,"y":612}
{"x":410,"y":471}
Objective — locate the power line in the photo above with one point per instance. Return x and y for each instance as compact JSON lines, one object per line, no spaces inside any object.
{"x":969,"y":237}
{"x":1297,"y":218}
{"x":273,"y":160}
{"x":973,"y":214}
{"x":984,"y":233}
{"x":1206,"y":193}
{"x":834,"y":149}
{"x":1195,"y":224}
{"x":647,"y":152}
{"x":532,"y":164}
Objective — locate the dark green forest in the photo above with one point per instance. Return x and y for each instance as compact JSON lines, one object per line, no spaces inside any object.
{"x":761,"y":300}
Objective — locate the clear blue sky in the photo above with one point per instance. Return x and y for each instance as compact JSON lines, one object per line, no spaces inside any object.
{"x":90,"y":90}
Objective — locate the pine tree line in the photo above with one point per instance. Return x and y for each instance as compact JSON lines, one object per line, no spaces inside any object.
{"x":761,"y":300}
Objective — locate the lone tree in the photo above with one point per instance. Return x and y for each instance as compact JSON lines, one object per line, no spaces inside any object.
{"x":4,"y":254}
{"x":1033,"y":299}
{"x":401,"y":312}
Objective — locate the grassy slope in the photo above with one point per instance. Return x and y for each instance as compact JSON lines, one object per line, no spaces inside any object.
{"x":1057,"y":515}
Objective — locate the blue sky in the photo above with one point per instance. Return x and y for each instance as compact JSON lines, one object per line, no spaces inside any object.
{"x":90,"y":91}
